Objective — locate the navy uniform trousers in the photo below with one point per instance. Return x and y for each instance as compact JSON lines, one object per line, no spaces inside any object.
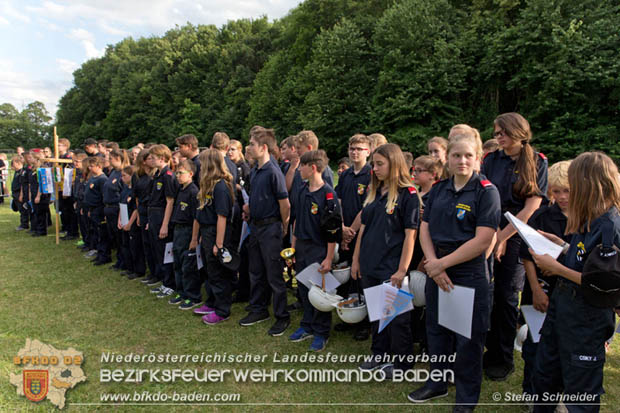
{"x":313,"y":321}
{"x":441,"y":341}
{"x":571,"y":351}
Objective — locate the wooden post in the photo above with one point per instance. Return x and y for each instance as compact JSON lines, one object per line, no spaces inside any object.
{"x":56,"y":161}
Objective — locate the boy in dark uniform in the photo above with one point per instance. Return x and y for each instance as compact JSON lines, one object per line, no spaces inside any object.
{"x":24,"y":196}
{"x":183,"y":218}
{"x":310,"y":247}
{"x":538,"y":288}
{"x":268,"y":210}
{"x":93,"y":200}
{"x":17,"y":163}
{"x":131,"y":235}
{"x":161,"y":203}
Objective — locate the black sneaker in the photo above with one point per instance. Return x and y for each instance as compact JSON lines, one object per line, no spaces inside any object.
{"x":375,"y":362}
{"x":425,"y":394}
{"x":278,"y":328}
{"x":499,"y":373}
{"x":253,"y":318}
{"x":133,"y":276}
{"x":294,"y":307}
{"x":152,"y":282}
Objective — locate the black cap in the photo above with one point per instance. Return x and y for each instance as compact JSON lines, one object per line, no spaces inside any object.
{"x":229,"y":259}
{"x":90,"y":141}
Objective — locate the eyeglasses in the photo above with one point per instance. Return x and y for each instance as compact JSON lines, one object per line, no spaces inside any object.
{"x":499,"y":133}
{"x":419,"y":170}
{"x":355,"y":149}
{"x":177,"y":173}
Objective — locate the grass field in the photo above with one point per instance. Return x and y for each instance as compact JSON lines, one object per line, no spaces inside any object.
{"x":51,"y":293}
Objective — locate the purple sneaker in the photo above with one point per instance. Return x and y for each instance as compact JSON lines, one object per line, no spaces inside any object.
{"x":205,"y":309}
{"x":213,"y":318}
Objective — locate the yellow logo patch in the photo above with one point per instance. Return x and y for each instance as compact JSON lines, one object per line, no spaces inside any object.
{"x":361,"y":188}
{"x":314,"y":209}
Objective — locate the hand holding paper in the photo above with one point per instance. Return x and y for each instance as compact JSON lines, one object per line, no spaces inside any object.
{"x":536,"y":241}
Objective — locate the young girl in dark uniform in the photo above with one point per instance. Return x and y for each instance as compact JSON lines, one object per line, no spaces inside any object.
{"x":460,"y":219}
{"x":571,"y":351}
{"x":520,"y":175}
{"x":111,"y":199}
{"x":384,"y":248}
{"x":142,"y":192}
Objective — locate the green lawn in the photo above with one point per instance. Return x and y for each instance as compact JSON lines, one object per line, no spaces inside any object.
{"x":52,"y":294}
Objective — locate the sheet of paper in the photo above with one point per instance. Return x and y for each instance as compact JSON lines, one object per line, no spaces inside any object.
{"x":311,"y":274}
{"x":124,"y":211}
{"x":456,"y":309}
{"x":380,"y":298}
{"x":66,"y":186}
{"x":168,"y":256}
{"x":199,"y":262}
{"x":534,"y":320}
{"x":537,"y":242}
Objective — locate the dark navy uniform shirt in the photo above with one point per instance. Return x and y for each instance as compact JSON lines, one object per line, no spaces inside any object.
{"x":218,"y":203}
{"x":25,"y":182}
{"x":16,"y":185}
{"x":268,"y":187}
{"x":142,"y":191}
{"x":581,"y":244}
{"x":77,"y":191}
{"x":165,"y":185}
{"x":128,"y":198}
{"x":196,"y":177}
{"x":284,"y":166}
{"x":232,"y":168}
{"x":453,"y":216}
{"x":351,"y":190}
{"x":185,"y":205}
{"x":310,"y":208}
{"x":93,"y":193}
{"x":33,"y":183}
{"x":112,"y":188}
{"x":499,"y":168}
{"x":384,"y":232}
{"x":298,"y":183}
{"x":548,"y":218}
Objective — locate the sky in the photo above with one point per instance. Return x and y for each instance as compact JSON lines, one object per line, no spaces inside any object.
{"x":43,"y":42}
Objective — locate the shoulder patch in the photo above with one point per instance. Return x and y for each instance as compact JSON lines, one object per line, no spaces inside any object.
{"x":168,"y":172}
{"x":412,"y":190}
{"x":488,"y":153}
{"x":542,"y":155}
{"x":329,"y":196}
{"x":436,"y":182}
{"x":485,"y":183}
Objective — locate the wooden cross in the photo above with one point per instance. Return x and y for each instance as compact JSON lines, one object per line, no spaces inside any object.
{"x":56,"y":161}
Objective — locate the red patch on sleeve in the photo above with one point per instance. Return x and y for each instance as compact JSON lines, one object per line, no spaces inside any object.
{"x":488,"y":153}
{"x":329,"y":196}
{"x":485,"y":183}
{"x":169,"y":172}
{"x":412,"y":190}
{"x":436,"y":182}
{"x":542,"y":155}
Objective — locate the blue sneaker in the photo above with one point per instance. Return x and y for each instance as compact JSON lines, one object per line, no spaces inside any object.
{"x":300,"y":335}
{"x":318,"y":344}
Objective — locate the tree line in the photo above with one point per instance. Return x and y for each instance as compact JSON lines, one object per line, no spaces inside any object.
{"x":406,"y":68}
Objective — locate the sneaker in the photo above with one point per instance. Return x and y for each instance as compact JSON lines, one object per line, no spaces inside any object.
{"x":300,"y":335}
{"x":20,"y":228}
{"x":375,"y":362}
{"x":101,"y":262}
{"x":318,"y":344}
{"x":294,"y":307}
{"x":253,"y":318}
{"x":133,"y":276}
{"x":500,"y":372}
{"x":156,"y":290}
{"x":205,"y":309}
{"x":91,"y":254}
{"x":165,"y":292}
{"x":152,"y":282}
{"x":146,"y":280}
{"x":425,"y":394}
{"x":213,"y":318}
{"x":189,"y":304}
{"x":176,"y":300}
{"x":278,"y":328}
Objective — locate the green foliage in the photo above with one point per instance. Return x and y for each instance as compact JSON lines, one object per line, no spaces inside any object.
{"x":28,"y":128}
{"x":406,"y":68}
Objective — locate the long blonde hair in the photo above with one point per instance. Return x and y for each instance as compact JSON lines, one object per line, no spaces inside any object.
{"x":212,"y":170}
{"x":398,"y":178}
{"x":594,"y":188}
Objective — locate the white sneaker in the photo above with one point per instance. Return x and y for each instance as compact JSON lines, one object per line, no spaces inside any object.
{"x":165,"y":292}
{"x":157,"y":290}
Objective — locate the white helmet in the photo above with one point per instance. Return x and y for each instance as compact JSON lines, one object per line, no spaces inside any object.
{"x":417,"y":283}
{"x":342,"y":274}
{"x":351,"y":310}
{"x":322,"y":300}
{"x":521,"y":337}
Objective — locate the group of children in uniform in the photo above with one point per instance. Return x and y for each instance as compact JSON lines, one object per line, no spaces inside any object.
{"x":440,"y":213}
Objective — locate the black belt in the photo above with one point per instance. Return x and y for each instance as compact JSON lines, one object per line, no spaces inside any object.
{"x":266,"y":221}
{"x":111,"y":205}
{"x":156,"y":208}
